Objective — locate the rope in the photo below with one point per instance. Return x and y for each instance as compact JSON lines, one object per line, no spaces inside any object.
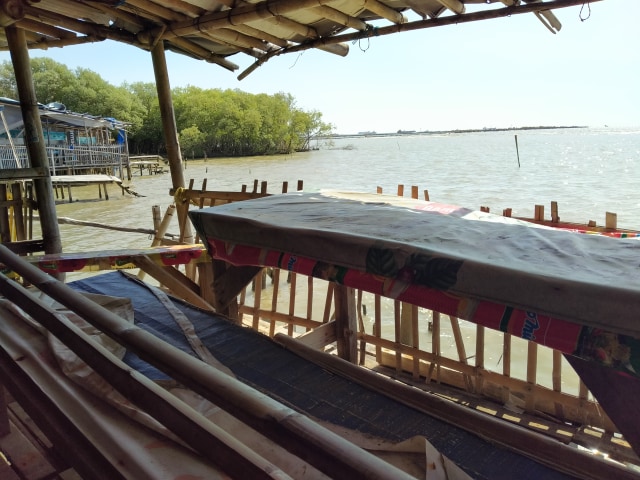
{"x":588,"y":4}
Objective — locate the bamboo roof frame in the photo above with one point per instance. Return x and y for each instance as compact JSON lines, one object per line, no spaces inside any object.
{"x":214,"y":30}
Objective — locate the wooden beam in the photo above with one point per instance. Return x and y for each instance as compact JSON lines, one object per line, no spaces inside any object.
{"x":43,"y":28}
{"x":346,"y":323}
{"x":241,"y":15}
{"x":384,"y":11}
{"x":23,"y":173}
{"x":175,"y":281}
{"x":320,"y":337}
{"x":76,"y":25}
{"x":456,"y":6}
{"x":170,"y":131}
{"x":228,"y":284}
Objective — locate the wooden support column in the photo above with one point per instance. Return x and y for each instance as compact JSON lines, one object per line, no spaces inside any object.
{"x":346,"y":326}
{"x":34,"y":139}
{"x":170,"y":130}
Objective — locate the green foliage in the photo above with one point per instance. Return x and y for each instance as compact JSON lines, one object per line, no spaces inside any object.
{"x":210,"y":122}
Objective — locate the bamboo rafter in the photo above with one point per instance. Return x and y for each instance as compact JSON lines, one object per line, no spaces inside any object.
{"x":416,"y":25}
{"x":241,"y":15}
{"x":456,"y":6}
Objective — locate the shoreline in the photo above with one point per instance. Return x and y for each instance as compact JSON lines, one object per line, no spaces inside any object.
{"x":441,"y":132}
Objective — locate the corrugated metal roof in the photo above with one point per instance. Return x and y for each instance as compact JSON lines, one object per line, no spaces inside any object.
{"x":213,"y":30}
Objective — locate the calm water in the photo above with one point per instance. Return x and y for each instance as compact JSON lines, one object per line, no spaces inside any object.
{"x":587,"y":171}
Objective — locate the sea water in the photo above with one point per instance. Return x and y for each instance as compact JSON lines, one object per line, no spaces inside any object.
{"x":587,"y":171}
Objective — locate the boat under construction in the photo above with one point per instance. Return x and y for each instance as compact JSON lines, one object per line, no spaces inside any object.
{"x":286,"y":333}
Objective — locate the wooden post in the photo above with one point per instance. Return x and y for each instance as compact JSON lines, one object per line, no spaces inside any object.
{"x":346,"y":323}
{"x":34,"y":138}
{"x":16,"y":193}
{"x":169,"y":129}
{"x":555,"y":218}
{"x":5,"y":227}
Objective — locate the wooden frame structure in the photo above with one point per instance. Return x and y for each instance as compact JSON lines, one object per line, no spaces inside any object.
{"x":263,"y":30}
{"x":412,"y":347}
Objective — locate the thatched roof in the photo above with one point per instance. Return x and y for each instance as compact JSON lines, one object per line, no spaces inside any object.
{"x":213,"y":30}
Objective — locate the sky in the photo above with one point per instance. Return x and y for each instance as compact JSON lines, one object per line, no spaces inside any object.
{"x":501,"y":73}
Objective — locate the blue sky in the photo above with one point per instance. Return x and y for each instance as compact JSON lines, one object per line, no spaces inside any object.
{"x":508,"y":72}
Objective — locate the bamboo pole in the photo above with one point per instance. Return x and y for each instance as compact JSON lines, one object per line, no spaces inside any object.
{"x":282,"y":317}
{"x":34,"y":138}
{"x":410,"y":26}
{"x":164,"y":225}
{"x":169,"y":128}
{"x":300,"y":435}
{"x":377,"y":325}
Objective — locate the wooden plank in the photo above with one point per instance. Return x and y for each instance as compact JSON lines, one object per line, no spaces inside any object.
{"x":320,"y":337}
{"x":26,"y":246}
{"x":346,"y":323}
{"x":23,"y":173}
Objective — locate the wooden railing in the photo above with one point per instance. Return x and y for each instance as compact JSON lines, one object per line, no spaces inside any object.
{"x":63,"y":160}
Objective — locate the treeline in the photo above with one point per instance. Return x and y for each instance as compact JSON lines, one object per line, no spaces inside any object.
{"x":210,"y":122}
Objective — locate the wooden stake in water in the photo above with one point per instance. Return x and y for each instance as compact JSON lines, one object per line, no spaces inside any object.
{"x":517,"y":152}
